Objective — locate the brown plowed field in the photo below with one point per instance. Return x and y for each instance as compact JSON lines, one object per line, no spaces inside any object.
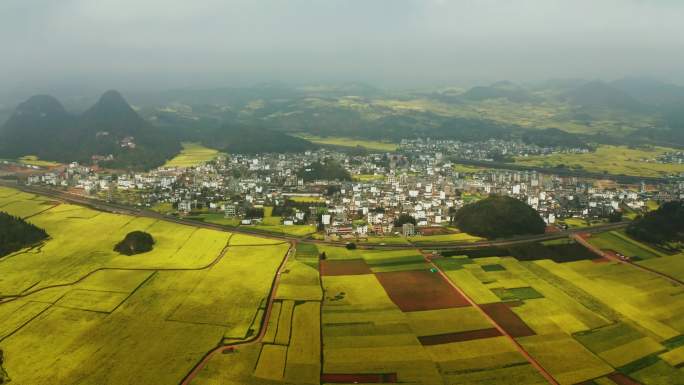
{"x":507,"y":319}
{"x":349,"y":267}
{"x":420,"y":290}
{"x":621,"y":379}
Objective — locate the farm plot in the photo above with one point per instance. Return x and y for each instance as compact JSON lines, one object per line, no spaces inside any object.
{"x":628,"y":291}
{"x":369,"y":328}
{"x":82,"y":241}
{"x":299,"y":281}
{"x":192,"y":154}
{"x":619,"y":344}
{"x":420,"y":290}
{"x":454,"y":237}
{"x":624,"y":245}
{"x":142,"y":319}
{"x":213,"y":302}
{"x":290,"y":349}
{"x":153,"y":339}
{"x":344,"y":267}
{"x":554,"y":352}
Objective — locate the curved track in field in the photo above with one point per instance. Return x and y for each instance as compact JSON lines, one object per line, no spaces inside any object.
{"x":262,"y":328}
{"x":9,"y":298}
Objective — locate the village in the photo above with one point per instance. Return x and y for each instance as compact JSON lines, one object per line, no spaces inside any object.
{"x":414,"y":190}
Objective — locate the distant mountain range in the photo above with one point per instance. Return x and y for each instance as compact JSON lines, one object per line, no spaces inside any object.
{"x":264,"y":118}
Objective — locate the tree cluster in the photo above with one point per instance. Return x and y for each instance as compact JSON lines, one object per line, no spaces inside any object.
{"x":662,"y":226}
{"x":135,"y":242}
{"x":326,"y":170}
{"x":15,"y":234}
{"x":404,"y":218}
{"x":499,"y":217}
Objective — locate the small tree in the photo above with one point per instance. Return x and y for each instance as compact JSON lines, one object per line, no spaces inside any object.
{"x":404,"y":218}
{"x":322,"y":256}
{"x":615,"y":216}
{"x":351,"y":246}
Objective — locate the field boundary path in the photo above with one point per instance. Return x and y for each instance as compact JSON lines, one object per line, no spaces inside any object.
{"x":501,"y":330}
{"x":12,"y":297}
{"x":582,"y":239}
{"x":262,"y":329}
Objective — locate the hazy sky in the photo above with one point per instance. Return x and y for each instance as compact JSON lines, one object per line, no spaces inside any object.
{"x":146,"y":44}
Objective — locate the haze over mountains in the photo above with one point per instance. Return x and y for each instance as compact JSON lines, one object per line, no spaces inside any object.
{"x":267,"y":118}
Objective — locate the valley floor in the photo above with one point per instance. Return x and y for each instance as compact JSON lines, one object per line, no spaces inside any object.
{"x":211,"y":307}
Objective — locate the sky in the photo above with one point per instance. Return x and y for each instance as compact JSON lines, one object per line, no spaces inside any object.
{"x":164,"y":44}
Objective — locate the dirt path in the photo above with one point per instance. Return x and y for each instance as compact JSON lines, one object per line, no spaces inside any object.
{"x":610,"y":256}
{"x":501,"y":330}
{"x":262,"y":330}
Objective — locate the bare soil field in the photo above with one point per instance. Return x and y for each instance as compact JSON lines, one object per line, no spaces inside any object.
{"x":420,"y":290}
{"x":344,"y":267}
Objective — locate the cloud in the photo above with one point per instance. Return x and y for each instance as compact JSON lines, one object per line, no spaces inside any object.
{"x":166,"y":43}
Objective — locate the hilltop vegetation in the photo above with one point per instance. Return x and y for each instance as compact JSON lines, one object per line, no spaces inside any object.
{"x":16,"y":233}
{"x":135,"y":242}
{"x":326,"y":170}
{"x":499,"y":217}
{"x":663,"y":226}
{"x":243,"y":139}
{"x":42,"y":127}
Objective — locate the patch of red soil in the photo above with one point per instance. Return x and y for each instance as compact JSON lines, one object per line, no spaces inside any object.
{"x":507,"y":319}
{"x":439,"y":230}
{"x":341,"y":378}
{"x":459,"y":337}
{"x":420,"y":290}
{"x":551,"y":229}
{"x":621,"y":379}
{"x":345,"y":267}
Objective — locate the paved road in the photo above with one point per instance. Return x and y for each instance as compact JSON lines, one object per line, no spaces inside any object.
{"x":130,"y":210}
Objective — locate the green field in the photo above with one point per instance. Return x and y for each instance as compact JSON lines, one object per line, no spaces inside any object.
{"x":192,"y":154}
{"x":351,"y":142}
{"x":616,"y":160}
{"x":306,"y":199}
{"x":620,"y":242}
{"x":33,"y":160}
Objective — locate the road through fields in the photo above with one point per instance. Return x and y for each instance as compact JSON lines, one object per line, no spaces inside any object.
{"x":262,"y":327}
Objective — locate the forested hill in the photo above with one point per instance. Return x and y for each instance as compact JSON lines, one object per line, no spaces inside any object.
{"x":243,"y":139}
{"x":15,"y":234}
{"x":324,"y":170}
{"x":664,"y":226}
{"x":41,"y":127}
{"x":499,"y":217}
